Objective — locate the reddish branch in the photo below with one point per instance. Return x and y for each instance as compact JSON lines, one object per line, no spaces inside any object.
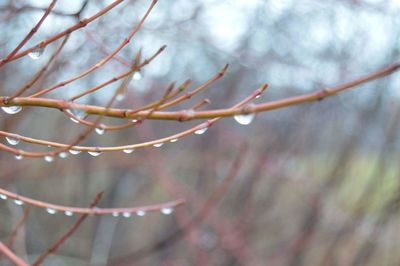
{"x":90,"y":211}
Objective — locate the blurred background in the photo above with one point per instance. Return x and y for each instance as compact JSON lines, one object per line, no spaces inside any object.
{"x":316,"y":184}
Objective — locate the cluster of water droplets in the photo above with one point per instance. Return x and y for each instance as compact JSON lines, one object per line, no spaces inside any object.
{"x":126,"y":214}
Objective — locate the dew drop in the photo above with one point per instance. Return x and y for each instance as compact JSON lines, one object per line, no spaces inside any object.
{"x":120,"y":97}
{"x":48,"y":158}
{"x":78,"y":113}
{"x":258,"y":96}
{"x":3,"y":197}
{"x":63,"y":155}
{"x":18,"y":157}
{"x":36,"y":53}
{"x":100,"y":130}
{"x":115,"y":214}
{"x":128,"y":150}
{"x":140,"y":213}
{"x":127,"y":214}
{"x":51,"y":211}
{"x":74,"y":120}
{"x":201,"y":131}
{"x":18,"y":202}
{"x":68,"y":213}
{"x":74,"y":152}
{"x":12,"y":140}
{"x":11,"y":109}
{"x":134,"y":120}
{"x":158,"y":145}
{"x":94,"y":153}
{"x":137,"y":75}
{"x":244,"y":119}
{"x":173,"y":140}
{"x":167,"y":211}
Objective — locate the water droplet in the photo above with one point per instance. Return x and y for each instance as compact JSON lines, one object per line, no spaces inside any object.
{"x":120,"y":97}
{"x":100,"y":129}
{"x":63,"y":155}
{"x":18,"y":202}
{"x":173,"y":140}
{"x":74,"y":152}
{"x":74,"y":120}
{"x":78,"y":113}
{"x":11,"y":109}
{"x":201,"y":131}
{"x":137,"y":75}
{"x":115,"y":214}
{"x":158,"y":145}
{"x":51,"y":211}
{"x":94,"y":153}
{"x":134,"y":120}
{"x":36,"y":53}
{"x":3,"y":197}
{"x":18,"y":157}
{"x":128,"y":150}
{"x":140,"y":213}
{"x":127,"y":214}
{"x":48,"y":158}
{"x":244,"y":119}
{"x":258,"y":96}
{"x":167,"y":211}
{"x":68,"y":213}
{"x":12,"y":140}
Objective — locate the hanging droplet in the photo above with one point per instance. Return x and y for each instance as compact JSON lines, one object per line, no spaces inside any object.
{"x":128,"y":150}
{"x":258,"y":96}
{"x":127,"y":214}
{"x":120,"y":96}
{"x":48,"y":158}
{"x":167,"y":211}
{"x":244,"y":119}
{"x":74,"y":152}
{"x":18,"y":157}
{"x":36,"y":53}
{"x":51,"y":211}
{"x":137,"y":75}
{"x":3,"y":197}
{"x":11,"y":109}
{"x":12,"y":140}
{"x":158,"y":145}
{"x":63,"y":155}
{"x":74,"y":120}
{"x":100,"y":129}
{"x":173,"y":140}
{"x":94,"y":153}
{"x":78,"y":113}
{"x":18,"y":202}
{"x":68,"y":213}
{"x":115,"y":214}
{"x":140,"y":213}
{"x":201,"y":131}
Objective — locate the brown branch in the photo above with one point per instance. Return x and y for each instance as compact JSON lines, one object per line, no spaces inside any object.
{"x":68,"y":211}
{"x":177,"y":115}
{"x":53,"y":248}
{"x":30,"y":34}
{"x":11,"y":255}
{"x":57,"y":36}
{"x":104,"y":60}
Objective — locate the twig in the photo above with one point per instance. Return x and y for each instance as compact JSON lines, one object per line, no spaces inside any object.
{"x":97,"y":211}
{"x":53,"y":248}
{"x":11,"y":255}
